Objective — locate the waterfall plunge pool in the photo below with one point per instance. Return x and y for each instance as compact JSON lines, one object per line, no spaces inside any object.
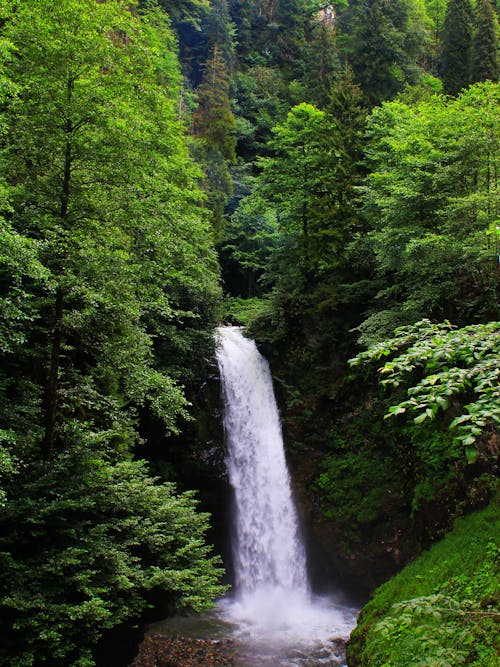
{"x":272,"y":627}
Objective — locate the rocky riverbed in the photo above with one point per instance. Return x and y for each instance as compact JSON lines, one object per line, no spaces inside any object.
{"x":161,"y":651}
{"x":177,"y":651}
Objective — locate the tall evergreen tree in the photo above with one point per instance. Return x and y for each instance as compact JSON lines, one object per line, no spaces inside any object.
{"x":485,"y":44}
{"x":383,"y":41}
{"x":456,"y":48}
{"x":322,"y":66}
{"x":348,"y":120}
{"x":213,"y":126}
{"x":221,"y":31}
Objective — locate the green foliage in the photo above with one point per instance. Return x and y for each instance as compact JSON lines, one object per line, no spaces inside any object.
{"x":241,"y":311}
{"x":385,"y":43}
{"x":445,"y":368}
{"x":248,"y":241}
{"x":219,"y":30}
{"x":485,"y":44}
{"x":103,"y":189}
{"x":442,"y":608}
{"x":19,"y":264}
{"x":108,"y":295}
{"x":322,"y":63}
{"x":356,"y":490}
{"x":213,"y":126}
{"x":456,"y":48}
{"x":296,"y":179}
{"x":435,"y":631}
{"x":436,"y":10}
{"x":99,"y":542}
{"x":184,"y":11}
{"x":310,"y":179}
{"x":430,"y":198}
{"x":262,"y":102}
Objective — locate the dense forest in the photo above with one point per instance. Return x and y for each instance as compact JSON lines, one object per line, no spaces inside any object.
{"x":324,"y":173}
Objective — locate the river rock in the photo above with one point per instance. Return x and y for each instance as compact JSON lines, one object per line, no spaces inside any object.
{"x":164,"y":651}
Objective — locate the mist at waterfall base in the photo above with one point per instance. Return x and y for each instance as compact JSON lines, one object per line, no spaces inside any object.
{"x":272,"y":610}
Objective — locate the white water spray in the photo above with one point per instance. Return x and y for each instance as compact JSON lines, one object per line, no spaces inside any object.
{"x":267,"y":549}
{"x":272,"y":597}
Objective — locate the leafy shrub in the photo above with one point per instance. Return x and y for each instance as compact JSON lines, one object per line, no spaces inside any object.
{"x":442,"y":366}
{"x":432,"y":631}
{"x":85,"y":546}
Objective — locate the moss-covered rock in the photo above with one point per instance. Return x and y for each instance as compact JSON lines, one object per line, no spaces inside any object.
{"x":441,"y":609}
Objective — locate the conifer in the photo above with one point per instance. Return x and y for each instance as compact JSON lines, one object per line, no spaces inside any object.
{"x":213,"y":124}
{"x":456,"y":48}
{"x":485,"y":45}
{"x":214,"y":120}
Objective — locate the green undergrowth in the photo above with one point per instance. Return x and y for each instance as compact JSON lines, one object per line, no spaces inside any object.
{"x":241,"y":312}
{"x":441,"y":610}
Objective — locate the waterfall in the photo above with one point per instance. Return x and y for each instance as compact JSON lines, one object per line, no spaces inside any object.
{"x":271,"y":617}
{"x":272,"y":601}
{"x":268,"y":552}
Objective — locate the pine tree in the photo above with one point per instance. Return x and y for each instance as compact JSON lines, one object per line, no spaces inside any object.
{"x":485,"y":45}
{"x":213,"y":125}
{"x":221,"y":31}
{"x":348,"y":122}
{"x":383,"y":45}
{"x":322,"y":61}
{"x":214,"y":120}
{"x":456,"y":48}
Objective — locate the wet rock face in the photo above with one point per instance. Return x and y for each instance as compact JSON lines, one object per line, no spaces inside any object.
{"x":357,"y":568}
{"x":162,"y":651}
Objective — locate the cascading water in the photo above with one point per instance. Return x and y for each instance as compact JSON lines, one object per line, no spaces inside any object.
{"x":272,"y":600}
{"x":267,"y":548}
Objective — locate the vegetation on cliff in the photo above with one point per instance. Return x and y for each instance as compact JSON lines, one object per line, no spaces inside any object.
{"x":441,"y":609}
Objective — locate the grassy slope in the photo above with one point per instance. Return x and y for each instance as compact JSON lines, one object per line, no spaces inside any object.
{"x":442,"y":609}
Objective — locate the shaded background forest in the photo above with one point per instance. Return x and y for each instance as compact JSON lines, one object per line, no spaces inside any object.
{"x":320,"y":172}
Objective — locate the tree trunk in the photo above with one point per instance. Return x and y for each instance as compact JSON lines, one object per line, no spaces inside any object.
{"x":52,"y":393}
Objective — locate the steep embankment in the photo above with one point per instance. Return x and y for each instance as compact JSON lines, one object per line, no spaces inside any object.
{"x":441,"y":609}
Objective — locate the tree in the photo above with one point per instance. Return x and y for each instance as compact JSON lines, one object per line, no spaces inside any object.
{"x":436,"y":10}
{"x":297,"y":178}
{"x":83,"y":188}
{"x":347,"y":116}
{"x":430,"y":198}
{"x":214,"y":120}
{"x":262,"y":102}
{"x":108,"y":288}
{"x":184,"y":11}
{"x":220,"y":31}
{"x":384,"y":43}
{"x":322,"y":66}
{"x":456,"y":47}
{"x":100,"y":543}
{"x":213,"y":126}
{"x":248,"y":241}
{"x":485,"y":44}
